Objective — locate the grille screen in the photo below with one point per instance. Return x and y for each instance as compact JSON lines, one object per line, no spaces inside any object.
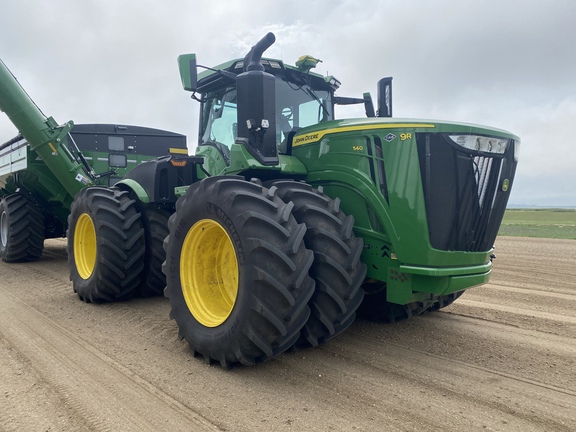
{"x":465,"y":200}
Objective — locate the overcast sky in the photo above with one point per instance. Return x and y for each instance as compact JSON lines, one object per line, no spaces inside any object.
{"x":510,"y":64}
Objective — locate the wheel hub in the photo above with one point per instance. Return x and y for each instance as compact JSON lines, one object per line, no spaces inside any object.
{"x":85,"y":246}
{"x":209,"y":273}
{"x":4,"y":229}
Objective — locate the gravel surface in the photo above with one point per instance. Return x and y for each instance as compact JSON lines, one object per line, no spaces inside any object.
{"x":501,"y":358}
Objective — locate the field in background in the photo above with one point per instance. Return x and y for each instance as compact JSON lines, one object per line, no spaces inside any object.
{"x":543,"y":223}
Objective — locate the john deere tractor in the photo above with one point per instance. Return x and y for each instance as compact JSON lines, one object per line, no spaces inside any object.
{"x":287,"y":221}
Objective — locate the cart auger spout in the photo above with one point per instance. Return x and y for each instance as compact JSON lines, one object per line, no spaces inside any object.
{"x":49,"y":140}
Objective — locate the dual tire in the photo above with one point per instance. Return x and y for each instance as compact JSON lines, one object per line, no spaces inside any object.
{"x":337,"y":269}
{"x":252,"y":270}
{"x":237,"y":271}
{"x":155,"y":224}
{"x":115,"y":247}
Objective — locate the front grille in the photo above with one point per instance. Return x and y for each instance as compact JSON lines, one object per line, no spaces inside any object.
{"x":465,"y":192}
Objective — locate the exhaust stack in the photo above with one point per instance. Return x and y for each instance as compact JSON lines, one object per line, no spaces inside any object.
{"x":256,"y":101}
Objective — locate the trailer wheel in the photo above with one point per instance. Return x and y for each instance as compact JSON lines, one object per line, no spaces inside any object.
{"x":337,"y":269}
{"x":105,"y":245}
{"x":21,"y":229}
{"x":237,"y":271}
{"x":155,"y":221}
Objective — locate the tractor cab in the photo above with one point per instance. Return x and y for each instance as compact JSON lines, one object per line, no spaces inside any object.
{"x":300,"y":100}
{"x":259,"y":103}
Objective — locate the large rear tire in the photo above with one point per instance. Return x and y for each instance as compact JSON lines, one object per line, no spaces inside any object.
{"x":237,"y":271}
{"x":155,"y":222}
{"x":105,"y":245}
{"x":337,"y":269}
{"x":21,"y":229}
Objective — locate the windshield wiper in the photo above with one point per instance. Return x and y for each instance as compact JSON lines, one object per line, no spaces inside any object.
{"x":310,"y":92}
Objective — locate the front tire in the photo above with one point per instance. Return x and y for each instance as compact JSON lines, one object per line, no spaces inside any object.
{"x":21,"y":229}
{"x":337,"y":269}
{"x":105,"y":245}
{"x":237,"y":271}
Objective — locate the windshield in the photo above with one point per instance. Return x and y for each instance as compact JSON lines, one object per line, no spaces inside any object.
{"x":219,"y":121}
{"x":297,"y":106}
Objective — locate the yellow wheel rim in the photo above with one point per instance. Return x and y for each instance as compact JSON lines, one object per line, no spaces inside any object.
{"x":209,"y":273}
{"x":85,"y":246}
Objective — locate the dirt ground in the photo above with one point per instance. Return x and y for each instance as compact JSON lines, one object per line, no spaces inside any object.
{"x":502,"y":358}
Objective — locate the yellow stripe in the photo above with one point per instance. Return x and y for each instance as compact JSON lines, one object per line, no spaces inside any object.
{"x":317,"y":136}
{"x":53,"y":148}
{"x":178,"y":150}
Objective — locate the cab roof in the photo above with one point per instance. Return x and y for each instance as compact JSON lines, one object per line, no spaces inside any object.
{"x":211,"y":79}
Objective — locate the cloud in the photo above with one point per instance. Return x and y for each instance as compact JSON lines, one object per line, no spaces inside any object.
{"x":506,"y":64}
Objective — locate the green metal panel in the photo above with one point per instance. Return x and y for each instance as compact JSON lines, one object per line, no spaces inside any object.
{"x":342,"y":157}
{"x":137,"y":189}
{"x":214,"y":161}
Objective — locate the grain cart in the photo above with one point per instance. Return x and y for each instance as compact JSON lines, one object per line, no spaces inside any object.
{"x":286,"y":218}
{"x":42,"y":168}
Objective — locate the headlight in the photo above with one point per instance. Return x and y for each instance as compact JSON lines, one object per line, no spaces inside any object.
{"x":481,"y":143}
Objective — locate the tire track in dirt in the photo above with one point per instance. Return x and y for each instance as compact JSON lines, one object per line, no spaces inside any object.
{"x":403,"y":388}
{"x":562,"y":294}
{"x":95,"y":387}
{"x":472,"y":366}
{"x":472,"y":369}
{"x":515,"y":310}
{"x":27,"y":400}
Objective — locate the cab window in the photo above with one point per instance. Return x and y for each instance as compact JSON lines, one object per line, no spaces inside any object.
{"x":220,"y":119}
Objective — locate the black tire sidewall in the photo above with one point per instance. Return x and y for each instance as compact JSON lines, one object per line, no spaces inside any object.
{"x":4,"y":213}
{"x":112,"y":208}
{"x":25,"y":229}
{"x":83,"y":287}
{"x":155,"y":223}
{"x":334,"y":249}
{"x":227,"y":332}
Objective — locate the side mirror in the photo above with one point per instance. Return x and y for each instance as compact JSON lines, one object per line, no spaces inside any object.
{"x":188,"y":73}
{"x":368,"y":105}
{"x":385,"y":97}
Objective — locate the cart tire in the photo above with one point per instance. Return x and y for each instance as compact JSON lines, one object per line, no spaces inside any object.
{"x":21,"y":229}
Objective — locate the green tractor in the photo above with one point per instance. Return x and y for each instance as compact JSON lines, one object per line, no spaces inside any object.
{"x":287,"y":222}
